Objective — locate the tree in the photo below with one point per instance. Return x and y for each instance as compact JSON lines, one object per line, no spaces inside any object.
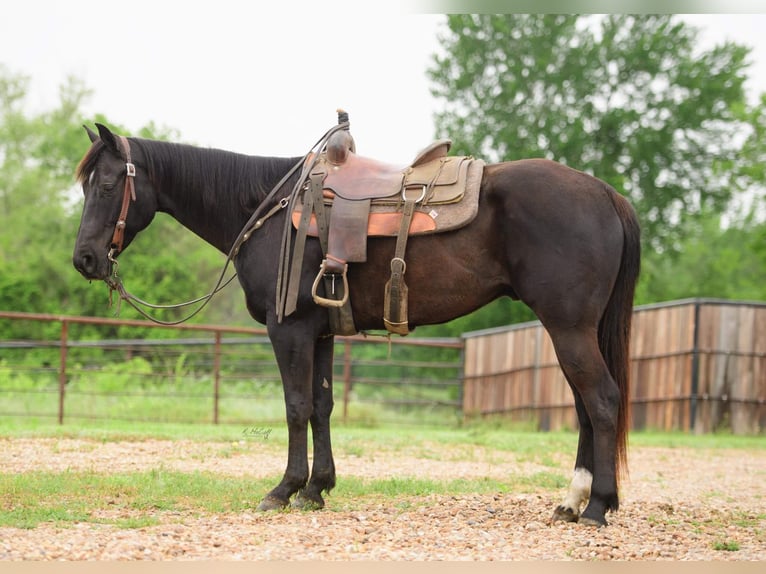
{"x":40,"y":211}
{"x":718,"y":261}
{"x":625,"y":97}
{"x":632,"y":100}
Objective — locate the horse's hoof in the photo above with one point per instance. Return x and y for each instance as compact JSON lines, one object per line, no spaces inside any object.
{"x":303,"y":502}
{"x":592,"y":522}
{"x":271,"y":503}
{"x":564,"y":514}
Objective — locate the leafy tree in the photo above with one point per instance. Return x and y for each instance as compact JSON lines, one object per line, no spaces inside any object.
{"x":632,"y":100}
{"x":718,"y":261}
{"x":626,"y":97}
{"x":40,"y":211}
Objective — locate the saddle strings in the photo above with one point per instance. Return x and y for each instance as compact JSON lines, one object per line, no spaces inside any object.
{"x":115,"y":283}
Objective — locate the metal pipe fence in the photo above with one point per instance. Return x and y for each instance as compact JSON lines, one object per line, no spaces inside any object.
{"x":73,"y":368}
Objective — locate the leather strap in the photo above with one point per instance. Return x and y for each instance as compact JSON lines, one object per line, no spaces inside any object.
{"x":128,"y":195}
{"x":316,"y":189}
{"x":293,"y":282}
{"x":394,"y":306}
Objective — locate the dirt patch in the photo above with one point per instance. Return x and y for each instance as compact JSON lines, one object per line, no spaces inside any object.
{"x":679,"y":504}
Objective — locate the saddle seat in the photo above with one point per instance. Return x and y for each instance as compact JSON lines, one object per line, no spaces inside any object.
{"x":432,"y":179}
{"x":358,"y":177}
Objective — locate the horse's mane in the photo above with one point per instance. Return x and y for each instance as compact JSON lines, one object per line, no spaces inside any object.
{"x":200,"y":171}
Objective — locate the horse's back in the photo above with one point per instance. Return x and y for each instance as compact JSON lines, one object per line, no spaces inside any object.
{"x":538,"y":196}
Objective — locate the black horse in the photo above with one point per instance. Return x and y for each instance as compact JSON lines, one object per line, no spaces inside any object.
{"x":561,"y":241}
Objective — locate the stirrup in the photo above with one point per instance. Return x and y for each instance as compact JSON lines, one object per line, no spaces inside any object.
{"x":324,"y":302}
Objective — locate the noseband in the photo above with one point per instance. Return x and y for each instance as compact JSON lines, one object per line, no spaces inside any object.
{"x":128,"y":194}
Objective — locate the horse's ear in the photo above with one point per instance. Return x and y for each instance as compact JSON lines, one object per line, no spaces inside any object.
{"x":91,"y":134}
{"x":110,"y":141}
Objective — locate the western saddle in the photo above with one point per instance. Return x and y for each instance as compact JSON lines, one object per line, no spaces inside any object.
{"x":347,"y":197}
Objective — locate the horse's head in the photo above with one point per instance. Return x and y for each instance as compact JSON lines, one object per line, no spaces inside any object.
{"x":119,"y":202}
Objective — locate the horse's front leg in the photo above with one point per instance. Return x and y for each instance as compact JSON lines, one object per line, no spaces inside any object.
{"x":323,"y":468}
{"x":294,"y":351}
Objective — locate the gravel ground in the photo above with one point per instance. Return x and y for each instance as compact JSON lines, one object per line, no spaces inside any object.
{"x":679,"y":504}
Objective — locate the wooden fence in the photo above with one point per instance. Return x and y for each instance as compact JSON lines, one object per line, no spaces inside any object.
{"x":697,"y":365}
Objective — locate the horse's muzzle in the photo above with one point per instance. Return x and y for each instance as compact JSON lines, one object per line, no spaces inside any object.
{"x":89,"y":264}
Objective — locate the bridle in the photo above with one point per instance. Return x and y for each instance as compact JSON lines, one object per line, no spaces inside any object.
{"x":253,"y":224}
{"x":128,"y":195}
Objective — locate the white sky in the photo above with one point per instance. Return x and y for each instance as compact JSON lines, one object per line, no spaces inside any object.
{"x":229,"y":74}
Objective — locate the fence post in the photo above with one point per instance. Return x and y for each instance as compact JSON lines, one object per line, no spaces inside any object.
{"x":346,"y":377}
{"x":695,"y":369}
{"x":62,"y":368}
{"x":216,"y":375}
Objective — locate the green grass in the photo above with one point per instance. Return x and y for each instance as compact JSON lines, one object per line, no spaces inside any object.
{"x":33,"y":497}
{"x":726,"y":545}
{"x":138,"y":499}
{"x":701,"y":441}
{"x":355,"y":439}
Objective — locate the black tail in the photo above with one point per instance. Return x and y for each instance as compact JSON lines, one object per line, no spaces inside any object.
{"x":614,"y":328}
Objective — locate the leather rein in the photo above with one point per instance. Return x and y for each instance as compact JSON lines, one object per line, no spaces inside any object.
{"x":114,"y":282}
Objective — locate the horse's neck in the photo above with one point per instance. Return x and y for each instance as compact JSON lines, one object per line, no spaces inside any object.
{"x":212,"y":192}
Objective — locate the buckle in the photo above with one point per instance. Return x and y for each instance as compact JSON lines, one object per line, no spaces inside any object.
{"x":130,"y":169}
{"x":419,"y":199}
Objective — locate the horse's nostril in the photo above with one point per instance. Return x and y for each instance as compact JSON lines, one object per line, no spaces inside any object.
{"x":85,"y":263}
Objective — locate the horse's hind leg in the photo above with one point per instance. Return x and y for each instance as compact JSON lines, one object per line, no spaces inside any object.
{"x":579,"y":489}
{"x":599,"y":396}
{"x":323,"y":468}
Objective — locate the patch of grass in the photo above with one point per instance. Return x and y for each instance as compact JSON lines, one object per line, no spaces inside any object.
{"x":30,"y":517}
{"x":662,"y":520}
{"x":696,"y":441}
{"x":355,"y":488}
{"x":30,"y":498}
{"x":726,"y":545}
{"x":746,"y":520}
{"x":534,"y":445}
{"x":543,"y":480}
{"x":353,"y":450}
{"x":542,"y":448}
{"x":109,"y":431}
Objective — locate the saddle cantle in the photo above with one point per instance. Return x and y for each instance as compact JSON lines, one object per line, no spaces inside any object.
{"x":347,"y":197}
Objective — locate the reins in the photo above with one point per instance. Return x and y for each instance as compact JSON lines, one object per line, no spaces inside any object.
{"x":256,"y":221}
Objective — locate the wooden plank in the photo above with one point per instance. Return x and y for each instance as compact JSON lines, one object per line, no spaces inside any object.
{"x":719,"y":385}
{"x":708,"y":329}
{"x":759,"y":369}
{"x":742,"y":383}
{"x":682,"y":382}
{"x":660,"y":343}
